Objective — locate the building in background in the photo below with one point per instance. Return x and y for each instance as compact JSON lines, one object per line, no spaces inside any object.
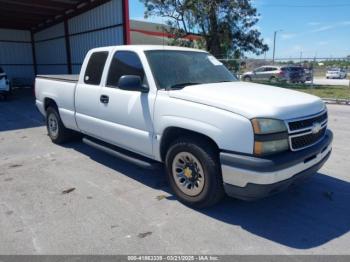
{"x":53,"y":36}
{"x":147,"y":33}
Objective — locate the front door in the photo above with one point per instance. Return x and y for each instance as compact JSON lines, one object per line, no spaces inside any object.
{"x":126,"y":115}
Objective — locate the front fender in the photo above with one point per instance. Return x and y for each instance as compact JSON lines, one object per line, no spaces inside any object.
{"x":231,"y":132}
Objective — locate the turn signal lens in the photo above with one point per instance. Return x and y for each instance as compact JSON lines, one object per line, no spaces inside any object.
{"x":270,"y":147}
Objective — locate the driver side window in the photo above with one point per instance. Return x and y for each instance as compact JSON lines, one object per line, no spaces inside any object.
{"x":124,"y":63}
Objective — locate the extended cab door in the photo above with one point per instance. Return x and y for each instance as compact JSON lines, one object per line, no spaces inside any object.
{"x":126,"y":114}
{"x":87,"y":93}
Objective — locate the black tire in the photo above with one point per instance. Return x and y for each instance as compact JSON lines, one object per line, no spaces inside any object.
{"x":273,"y":79}
{"x":213,"y":190}
{"x":63,"y":134}
{"x":247,"y":79}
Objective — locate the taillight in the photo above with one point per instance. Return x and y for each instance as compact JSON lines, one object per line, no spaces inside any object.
{"x":281,"y":73}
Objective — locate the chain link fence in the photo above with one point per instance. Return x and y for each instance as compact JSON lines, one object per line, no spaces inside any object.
{"x":319,"y":65}
{"x":314,"y":79}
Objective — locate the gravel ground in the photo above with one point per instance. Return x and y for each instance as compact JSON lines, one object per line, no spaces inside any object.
{"x":117,"y":208}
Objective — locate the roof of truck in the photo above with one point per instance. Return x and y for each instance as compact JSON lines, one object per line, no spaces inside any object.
{"x":148,"y":47}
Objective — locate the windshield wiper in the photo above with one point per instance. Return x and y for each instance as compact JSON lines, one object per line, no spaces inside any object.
{"x":182,"y":85}
{"x":225,"y":81}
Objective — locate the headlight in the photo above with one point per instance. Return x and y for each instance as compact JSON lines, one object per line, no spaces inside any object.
{"x":270,"y":136}
{"x":268,"y":126}
{"x":270,"y":147}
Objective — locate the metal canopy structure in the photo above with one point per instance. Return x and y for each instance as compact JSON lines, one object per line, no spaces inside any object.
{"x":36,"y":15}
{"x":53,"y":36}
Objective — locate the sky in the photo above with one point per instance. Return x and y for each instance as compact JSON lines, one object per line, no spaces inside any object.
{"x":306,"y":28}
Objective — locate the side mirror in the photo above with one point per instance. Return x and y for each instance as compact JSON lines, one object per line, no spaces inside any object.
{"x":132,"y":83}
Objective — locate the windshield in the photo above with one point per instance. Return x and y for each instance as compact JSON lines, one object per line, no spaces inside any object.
{"x":176,"y":69}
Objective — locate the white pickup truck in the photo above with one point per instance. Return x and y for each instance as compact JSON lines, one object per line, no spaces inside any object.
{"x":183,"y":108}
{"x":5,"y":88}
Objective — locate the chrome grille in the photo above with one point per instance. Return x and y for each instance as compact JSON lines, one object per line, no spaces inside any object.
{"x":305,"y":132}
{"x":305,"y":123}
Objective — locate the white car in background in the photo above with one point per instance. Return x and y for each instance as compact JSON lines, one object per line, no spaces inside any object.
{"x":4,"y":84}
{"x":336,"y":73}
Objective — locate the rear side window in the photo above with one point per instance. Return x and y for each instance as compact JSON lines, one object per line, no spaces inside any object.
{"x":269,"y":69}
{"x":124,"y":63}
{"x":94,"y":69}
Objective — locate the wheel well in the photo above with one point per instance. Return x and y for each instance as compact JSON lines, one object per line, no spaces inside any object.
{"x":172,"y":133}
{"x":49,"y":102}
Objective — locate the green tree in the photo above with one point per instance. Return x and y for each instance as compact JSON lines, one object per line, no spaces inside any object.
{"x":226,"y":26}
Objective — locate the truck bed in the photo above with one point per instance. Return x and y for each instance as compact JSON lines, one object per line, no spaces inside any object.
{"x":66,"y":78}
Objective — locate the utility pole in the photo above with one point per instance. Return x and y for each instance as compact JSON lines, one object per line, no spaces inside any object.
{"x":274,"y":45}
{"x":313,"y":71}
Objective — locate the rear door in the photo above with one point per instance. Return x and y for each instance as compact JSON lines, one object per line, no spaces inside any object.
{"x":270,"y":72}
{"x":87,"y":94}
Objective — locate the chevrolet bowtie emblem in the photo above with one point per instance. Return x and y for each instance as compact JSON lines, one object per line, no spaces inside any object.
{"x":316,"y":127}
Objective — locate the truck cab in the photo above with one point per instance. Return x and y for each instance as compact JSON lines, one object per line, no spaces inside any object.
{"x":182,"y":109}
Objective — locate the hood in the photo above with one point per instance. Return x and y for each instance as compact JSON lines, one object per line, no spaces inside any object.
{"x":252,"y":100}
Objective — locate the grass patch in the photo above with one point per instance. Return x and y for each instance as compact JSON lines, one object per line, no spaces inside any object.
{"x":323,"y":91}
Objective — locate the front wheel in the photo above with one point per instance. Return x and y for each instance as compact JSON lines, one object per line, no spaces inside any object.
{"x":194,"y":172}
{"x":247,"y":79}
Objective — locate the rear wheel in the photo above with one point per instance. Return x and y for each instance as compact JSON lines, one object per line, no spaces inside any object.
{"x":273,"y":80}
{"x":55,"y":128}
{"x":247,"y":79}
{"x":194,"y":172}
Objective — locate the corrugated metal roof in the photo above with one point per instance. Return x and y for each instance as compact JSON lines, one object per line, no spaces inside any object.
{"x":102,"y":16}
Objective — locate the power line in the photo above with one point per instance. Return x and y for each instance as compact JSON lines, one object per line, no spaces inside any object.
{"x":306,"y":6}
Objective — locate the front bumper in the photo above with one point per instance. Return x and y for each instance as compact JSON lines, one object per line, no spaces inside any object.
{"x":4,"y":90}
{"x":249,"y":178}
{"x":4,"y":86}
{"x":333,"y":76}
